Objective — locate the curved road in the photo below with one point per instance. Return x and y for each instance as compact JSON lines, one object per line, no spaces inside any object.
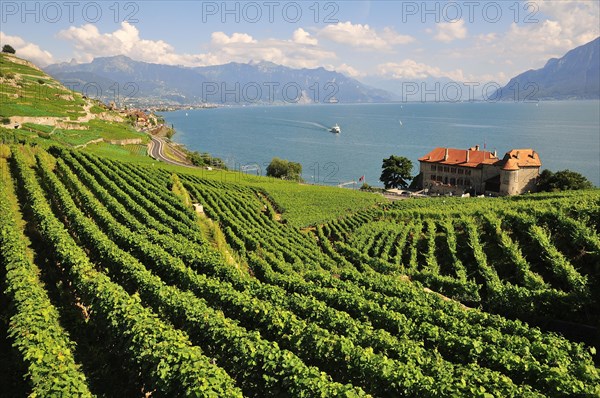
{"x":157,"y":152}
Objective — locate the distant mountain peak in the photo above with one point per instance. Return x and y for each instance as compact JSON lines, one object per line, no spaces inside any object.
{"x":262,"y":63}
{"x":576,"y":75}
{"x":157,"y":83}
{"x":119,"y":57}
{"x":550,"y":62}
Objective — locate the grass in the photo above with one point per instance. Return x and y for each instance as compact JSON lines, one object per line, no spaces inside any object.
{"x":6,"y":62}
{"x":38,"y":127}
{"x":23,"y":95}
{"x":169,"y":154}
{"x":74,"y":137}
{"x":304,"y":205}
{"x":114,"y":130}
{"x":300,"y":204}
{"x":35,"y":108}
{"x":96,"y":109}
{"x":12,"y":135}
{"x":140,"y":150}
{"x":26,"y":91}
{"x":96,"y":129}
{"x":124,"y":153}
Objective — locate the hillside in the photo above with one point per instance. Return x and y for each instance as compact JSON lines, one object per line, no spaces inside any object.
{"x":576,"y":75}
{"x":123,"y":276}
{"x":257,"y":82}
{"x":37,"y":107}
{"x":48,"y":113}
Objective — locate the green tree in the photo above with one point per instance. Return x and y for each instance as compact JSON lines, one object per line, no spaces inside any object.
{"x":396,"y":172}
{"x":205,"y":159}
{"x":7,"y":48}
{"x":284,"y":169}
{"x":564,"y":180}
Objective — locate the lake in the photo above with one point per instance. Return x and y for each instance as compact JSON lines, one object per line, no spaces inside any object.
{"x":566,"y":134}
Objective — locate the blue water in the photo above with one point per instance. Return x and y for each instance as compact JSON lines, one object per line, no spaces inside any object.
{"x":565,"y":133}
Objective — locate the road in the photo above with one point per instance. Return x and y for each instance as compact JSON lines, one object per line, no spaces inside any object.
{"x":157,"y":152}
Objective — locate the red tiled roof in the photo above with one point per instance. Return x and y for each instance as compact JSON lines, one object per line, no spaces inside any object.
{"x":459,"y":157}
{"x":524,"y":157}
{"x":511,"y":164}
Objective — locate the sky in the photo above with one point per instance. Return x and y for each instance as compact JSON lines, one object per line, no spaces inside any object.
{"x":467,"y":41}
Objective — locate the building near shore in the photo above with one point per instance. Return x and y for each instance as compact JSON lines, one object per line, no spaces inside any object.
{"x":457,"y":171}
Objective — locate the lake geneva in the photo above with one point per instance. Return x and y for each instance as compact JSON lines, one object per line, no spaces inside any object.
{"x":565,"y":133}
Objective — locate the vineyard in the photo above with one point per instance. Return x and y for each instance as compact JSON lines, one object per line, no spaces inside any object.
{"x":531,"y":259}
{"x":113,"y":286}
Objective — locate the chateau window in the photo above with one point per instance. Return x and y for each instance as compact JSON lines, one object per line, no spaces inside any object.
{"x":453,"y":170}
{"x":459,"y":182}
{"x":468,"y":172}
{"x":460,"y":171}
{"x":453,"y":181}
{"x":467,"y":181}
{"x":433,"y":177}
{"x":439,"y":178}
{"x":433,"y":167}
{"x":445,"y":169}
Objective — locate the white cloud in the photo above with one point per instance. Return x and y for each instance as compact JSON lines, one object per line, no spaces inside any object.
{"x":363,"y":36}
{"x":348,"y":70}
{"x":488,"y":37}
{"x":568,"y":24}
{"x":283,"y":52}
{"x":221,"y":38}
{"x":450,"y":31}
{"x":301,"y":36}
{"x":90,"y":43}
{"x":394,"y":38}
{"x":26,"y":50}
{"x":558,"y":27}
{"x":410,"y":69}
{"x":579,"y":20}
{"x":497,"y":55}
{"x":300,"y":51}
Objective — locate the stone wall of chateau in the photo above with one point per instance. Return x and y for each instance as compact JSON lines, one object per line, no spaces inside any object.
{"x":456,"y":180}
{"x":519,"y":181}
{"x":528,"y":179}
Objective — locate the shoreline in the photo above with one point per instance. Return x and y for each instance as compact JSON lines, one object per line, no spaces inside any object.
{"x":164,"y":109}
{"x":240,"y":134}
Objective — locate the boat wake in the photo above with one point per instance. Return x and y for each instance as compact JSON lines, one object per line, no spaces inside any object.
{"x":315,"y":125}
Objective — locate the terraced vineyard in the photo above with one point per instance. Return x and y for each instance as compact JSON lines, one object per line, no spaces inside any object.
{"x":114,"y":287}
{"x":534,"y":259}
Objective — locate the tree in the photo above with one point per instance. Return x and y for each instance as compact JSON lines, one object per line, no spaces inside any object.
{"x":205,"y":159}
{"x":284,"y":169}
{"x":564,"y":180}
{"x":7,"y":48}
{"x":396,"y":172}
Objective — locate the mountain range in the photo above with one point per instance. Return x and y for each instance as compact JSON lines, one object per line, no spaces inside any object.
{"x":254,"y":82}
{"x":574,"y":76}
{"x":121,"y":79}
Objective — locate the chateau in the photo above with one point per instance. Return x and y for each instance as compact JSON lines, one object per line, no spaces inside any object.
{"x":456,"y":171}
